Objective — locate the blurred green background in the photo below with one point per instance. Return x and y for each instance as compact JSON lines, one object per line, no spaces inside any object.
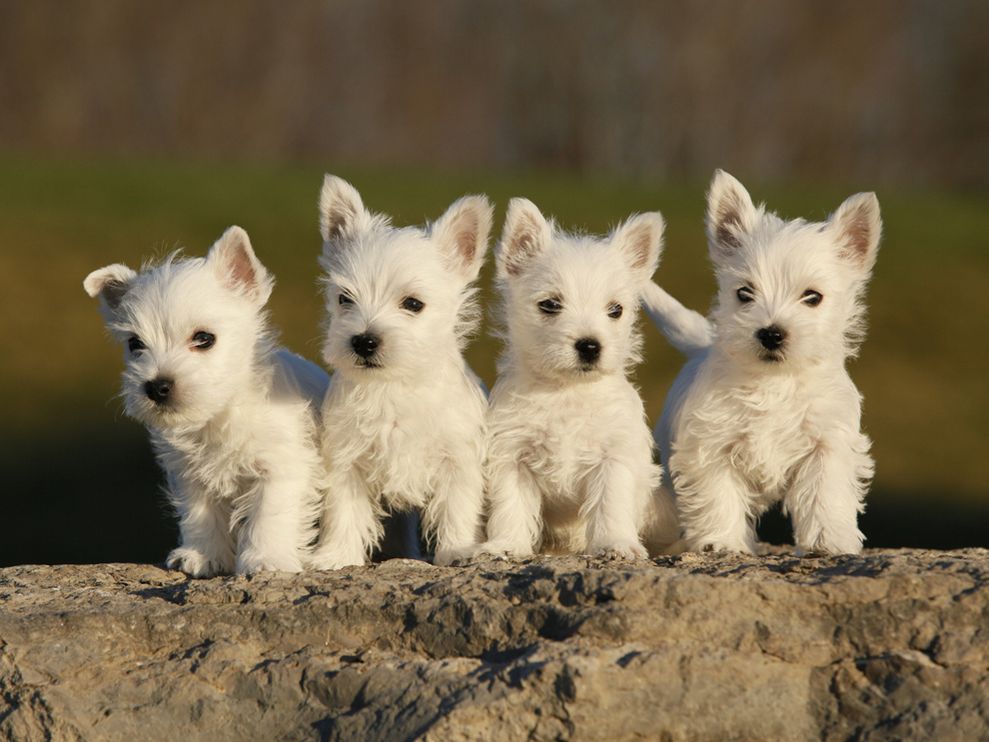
{"x":118,"y":147}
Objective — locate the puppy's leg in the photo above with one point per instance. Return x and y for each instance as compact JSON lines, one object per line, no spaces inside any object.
{"x":515,"y":518}
{"x":826,"y":497}
{"x":714,"y":508}
{"x":206,"y":544}
{"x":274,"y":535}
{"x":661,"y":532}
{"x":454,"y":511}
{"x":351,"y":527}
{"x":611,"y":513}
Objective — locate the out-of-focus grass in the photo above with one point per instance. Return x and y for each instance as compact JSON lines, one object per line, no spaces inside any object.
{"x":71,"y":463}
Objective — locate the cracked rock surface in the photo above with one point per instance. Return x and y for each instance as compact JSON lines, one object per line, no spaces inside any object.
{"x":890,"y":644}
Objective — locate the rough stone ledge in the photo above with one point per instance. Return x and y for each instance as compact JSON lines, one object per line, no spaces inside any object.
{"x":890,"y":644}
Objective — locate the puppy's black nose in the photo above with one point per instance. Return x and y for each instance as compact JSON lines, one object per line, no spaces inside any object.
{"x":588,"y":349}
{"x":365,"y":344}
{"x":771,"y":337}
{"x":158,"y":390}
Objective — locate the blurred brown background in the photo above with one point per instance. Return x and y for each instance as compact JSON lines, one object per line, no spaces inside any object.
{"x":130,"y":128}
{"x":885,"y":90}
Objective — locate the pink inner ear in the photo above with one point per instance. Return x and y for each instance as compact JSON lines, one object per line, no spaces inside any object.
{"x":336,"y":218}
{"x":639,"y":241}
{"x":857,"y":232}
{"x":728,"y":216}
{"x":241,"y":269}
{"x":467,"y":243}
{"x":522,"y":246}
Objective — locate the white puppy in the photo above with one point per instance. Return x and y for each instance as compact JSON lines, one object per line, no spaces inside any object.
{"x":764,"y":411}
{"x":233,"y":421}
{"x":407,"y":413}
{"x":570,"y":456}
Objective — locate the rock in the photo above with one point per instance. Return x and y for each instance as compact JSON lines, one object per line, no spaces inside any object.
{"x":891,"y":644}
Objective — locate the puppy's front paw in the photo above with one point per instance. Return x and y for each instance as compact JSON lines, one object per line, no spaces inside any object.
{"x":327,"y":560}
{"x":716,"y":547}
{"x":850,"y":545}
{"x":446,"y":557}
{"x":197,"y":564}
{"x":624,"y":551}
{"x":250,"y":561}
{"x":502,"y":550}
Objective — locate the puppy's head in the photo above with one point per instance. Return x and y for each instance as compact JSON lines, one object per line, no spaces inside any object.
{"x":192,"y":330}
{"x":398,"y":300}
{"x":570,"y":302}
{"x":789,"y":292}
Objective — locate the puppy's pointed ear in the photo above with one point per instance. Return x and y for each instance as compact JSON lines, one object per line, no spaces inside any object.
{"x":857,"y":228}
{"x":462,"y":234}
{"x":235,"y":263}
{"x":109,"y":284}
{"x":340,"y":208}
{"x":526,"y":234}
{"x":730,"y":214}
{"x":641,"y":241}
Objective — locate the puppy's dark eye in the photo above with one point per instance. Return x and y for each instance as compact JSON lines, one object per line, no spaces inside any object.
{"x":203,"y":340}
{"x":345,"y":300}
{"x":745,"y":294}
{"x":615,"y":310}
{"x":135,"y":344}
{"x":812,"y":298}
{"x":411,"y":304}
{"x":550,"y":306}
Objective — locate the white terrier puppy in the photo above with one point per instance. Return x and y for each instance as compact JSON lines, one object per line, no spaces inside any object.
{"x":233,"y":421}
{"x":764,"y":411}
{"x":570,"y":456}
{"x":407,"y":413}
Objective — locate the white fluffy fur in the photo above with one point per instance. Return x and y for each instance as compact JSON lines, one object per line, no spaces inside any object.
{"x":570,"y":457}
{"x":407,"y":423}
{"x":743,"y":428}
{"x":237,"y":436}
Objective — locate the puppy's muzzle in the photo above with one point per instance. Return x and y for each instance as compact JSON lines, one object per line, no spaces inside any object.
{"x":159,"y":390}
{"x":589,"y":350}
{"x":771,"y":338}
{"x":365,"y":345}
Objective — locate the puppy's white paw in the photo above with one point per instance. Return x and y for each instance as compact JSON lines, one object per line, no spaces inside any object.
{"x":197,"y":564}
{"x":250,"y":561}
{"x":622,"y":551}
{"x":326,"y":560}
{"x":446,"y":557}
{"x":502,"y":550}
{"x":834,"y":547}
{"x":714,"y":546}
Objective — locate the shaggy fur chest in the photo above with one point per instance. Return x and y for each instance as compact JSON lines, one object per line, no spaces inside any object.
{"x":217,"y":461}
{"x":561,"y":450}
{"x":563,"y":437}
{"x":761,"y":429}
{"x":398,"y":439}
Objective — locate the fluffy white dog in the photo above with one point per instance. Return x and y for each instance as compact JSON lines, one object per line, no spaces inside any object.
{"x":407,"y":413}
{"x":233,"y":421}
{"x":764,"y":410}
{"x":570,"y":456}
